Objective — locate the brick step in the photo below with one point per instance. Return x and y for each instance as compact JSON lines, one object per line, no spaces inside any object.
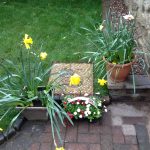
{"x":124,"y":91}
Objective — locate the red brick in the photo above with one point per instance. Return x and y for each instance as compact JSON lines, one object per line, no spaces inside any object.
{"x":106,"y":119}
{"x":95,"y":147}
{"x":117,"y":130}
{"x":75,"y":146}
{"x":130,"y":140}
{"x":71,"y":134}
{"x":134,"y":147}
{"x":45,"y":146}
{"x":95,"y":128}
{"x":89,"y":138}
{"x":34,"y":146}
{"x":83,"y":127}
{"x":118,"y":139}
{"x":106,"y":130}
{"x":45,"y":137}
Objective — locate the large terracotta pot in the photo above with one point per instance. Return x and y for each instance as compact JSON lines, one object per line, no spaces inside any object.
{"x":118,"y":72}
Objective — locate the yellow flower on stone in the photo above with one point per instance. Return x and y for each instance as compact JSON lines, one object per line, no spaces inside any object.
{"x":75,"y":80}
{"x":102,"y":82}
{"x":27,"y":41}
{"x":43,"y":55}
{"x":1,"y":129}
{"x":60,"y":148}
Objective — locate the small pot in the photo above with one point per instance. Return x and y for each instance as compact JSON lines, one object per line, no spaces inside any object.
{"x":118,"y":72}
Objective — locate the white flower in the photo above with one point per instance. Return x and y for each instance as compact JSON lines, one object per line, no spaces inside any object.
{"x":78,"y":110}
{"x":88,"y":105}
{"x":128,"y":17}
{"x":86,"y":102}
{"x":98,"y":93}
{"x":86,"y":94}
{"x":98,"y":112}
{"x":68,"y":99}
{"x":80,"y":116}
{"x":86,"y":114}
{"x":105,"y":110}
{"x":94,"y":98}
{"x":87,"y":109}
{"x":75,"y":113}
{"x":89,"y":112}
{"x":78,"y":103}
{"x":99,"y":104}
{"x":101,"y":27}
{"x":94,"y":113}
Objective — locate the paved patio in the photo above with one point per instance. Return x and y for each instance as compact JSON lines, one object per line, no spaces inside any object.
{"x":124,"y":127}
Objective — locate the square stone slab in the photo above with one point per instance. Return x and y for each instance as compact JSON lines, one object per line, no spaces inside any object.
{"x":65,"y":71}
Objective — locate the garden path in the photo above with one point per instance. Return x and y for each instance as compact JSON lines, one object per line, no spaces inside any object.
{"x":124,"y":127}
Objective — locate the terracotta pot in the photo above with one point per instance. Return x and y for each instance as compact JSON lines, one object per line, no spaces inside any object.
{"x":118,"y":72}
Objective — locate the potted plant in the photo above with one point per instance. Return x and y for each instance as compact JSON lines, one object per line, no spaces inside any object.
{"x":20,"y":86}
{"x":83,"y":107}
{"x":113,"y":46}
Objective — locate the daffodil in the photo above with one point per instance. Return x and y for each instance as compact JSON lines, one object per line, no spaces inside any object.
{"x":114,"y":63}
{"x":102,"y":82}
{"x":27,"y":41}
{"x":1,"y":129}
{"x":75,"y":80}
{"x":43,"y":55}
{"x":60,"y":148}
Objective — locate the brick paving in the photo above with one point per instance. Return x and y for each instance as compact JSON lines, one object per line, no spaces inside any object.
{"x":124,"y":127}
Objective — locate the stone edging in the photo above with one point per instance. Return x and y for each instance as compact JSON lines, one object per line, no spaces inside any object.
{"x":4,"y":136}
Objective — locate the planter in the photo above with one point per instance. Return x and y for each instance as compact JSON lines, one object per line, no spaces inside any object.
{"x":34,"y":113}
{"x":118,"y":72}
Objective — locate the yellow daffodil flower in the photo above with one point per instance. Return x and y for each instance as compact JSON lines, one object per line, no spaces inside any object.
{"x":1,"y":129}
{"x":75,"y":80}
{"x":102,"y":82}
{"x":27,"y":41}
{"x":101,"y":27}
{"x":114,"y":63}
{"x":43,"y":55}
{"x":60,"y":148}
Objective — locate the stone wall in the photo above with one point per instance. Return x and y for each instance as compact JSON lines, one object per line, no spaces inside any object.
{"x":141,"y":9}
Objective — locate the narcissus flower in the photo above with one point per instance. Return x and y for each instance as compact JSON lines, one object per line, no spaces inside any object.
{"x":27,"y":41}
{"x":128,"y":17}
{"x":102,"y":82}
{"x":75,"y":80}
{"x":114,"y":63}
{"x":43,"y":55}
{"x":60,"y":148}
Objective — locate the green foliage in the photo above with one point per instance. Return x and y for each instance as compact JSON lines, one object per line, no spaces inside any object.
{"x":114,"y":41}
{"x":19,"y":87}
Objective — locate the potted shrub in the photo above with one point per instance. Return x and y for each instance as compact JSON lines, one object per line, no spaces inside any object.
{"x":20,"y":86}
{"x":113,"y":46}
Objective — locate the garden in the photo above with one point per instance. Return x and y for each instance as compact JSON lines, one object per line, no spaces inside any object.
{"x":58,"y":63}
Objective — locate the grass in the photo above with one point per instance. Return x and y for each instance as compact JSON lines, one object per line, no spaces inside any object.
{"x":54,"y":25}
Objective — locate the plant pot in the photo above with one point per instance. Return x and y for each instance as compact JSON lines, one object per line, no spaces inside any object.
{"x":34,"y":113}
{"x":118,"y":72}
{"x":37,"y":112}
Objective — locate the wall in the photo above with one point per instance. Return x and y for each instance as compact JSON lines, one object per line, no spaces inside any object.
{"x":141,"y":9}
